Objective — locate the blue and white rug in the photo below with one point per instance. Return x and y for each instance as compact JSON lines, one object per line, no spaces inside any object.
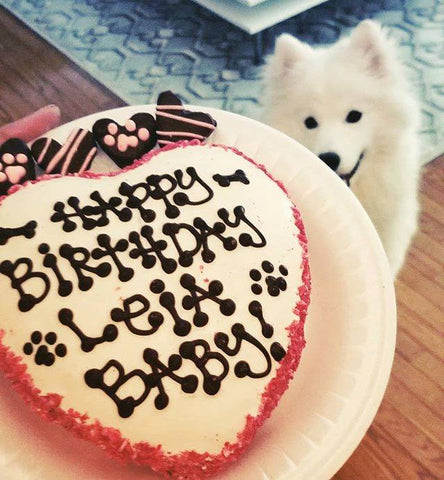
{"x":138,"y":48}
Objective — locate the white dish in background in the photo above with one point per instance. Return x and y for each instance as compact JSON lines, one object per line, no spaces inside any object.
{"x":253,"y":16}
{"x":350,"y":333}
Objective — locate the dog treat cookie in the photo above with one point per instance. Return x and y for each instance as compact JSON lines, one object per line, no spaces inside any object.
{"x":175,"y":124}
{"x":129,"y":142}
{"x":74,"y":156}
{"x":158,"y":312}
{"x":16,"y":164}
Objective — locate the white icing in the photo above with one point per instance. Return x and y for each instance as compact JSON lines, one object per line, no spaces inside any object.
{"x":197,"y":421}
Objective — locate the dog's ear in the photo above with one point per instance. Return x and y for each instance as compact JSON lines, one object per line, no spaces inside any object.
{"x":288,"y":51}
{"x":370,"y":43}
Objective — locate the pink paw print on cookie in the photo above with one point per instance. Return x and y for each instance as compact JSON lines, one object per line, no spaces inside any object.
{"x":124,"y":144}
{"x":16,"y":164}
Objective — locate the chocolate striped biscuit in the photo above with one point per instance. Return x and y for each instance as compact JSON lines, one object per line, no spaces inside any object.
{"x":74,"y":156}
{"x":174,"y":123}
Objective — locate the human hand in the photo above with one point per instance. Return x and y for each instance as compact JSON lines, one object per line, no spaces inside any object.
{"x":33,"y":125}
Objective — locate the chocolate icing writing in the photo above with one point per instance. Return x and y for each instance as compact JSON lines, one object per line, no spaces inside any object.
{"x":27,"y":231}
{"x":226,"y":180}
{"x":107,"y":250}
{"x":216,"y":230}
{"x":188,"y":383}
{"x":168,"y":301}
{"x":81,"y":265}
{"x":212,"y":382}
{"x":160,"y":187}
{"x":153,"y":252}
{"x":160,"y":191}
{"x":182,"y":198}
{"x":255,"y":308}
{"x":173,"y":230}
{"x":135,"y":201}
{"x":201,"y":231}
{"x":94,"y":378}
{"x":242,"y":368}
{"x":91,"y":216}
{"x":27,"y":300}
{"x":87,"y":344}
{"x":245,"y":239}
{"x":199,"y":294}
{"x":50,"y":261}
{"x":127,"y":315}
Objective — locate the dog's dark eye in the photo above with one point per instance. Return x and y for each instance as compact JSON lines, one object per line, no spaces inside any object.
{"x":310,"y":122}
{"x":353,"y":116}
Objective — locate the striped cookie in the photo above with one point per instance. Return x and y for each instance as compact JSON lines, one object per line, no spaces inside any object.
{"x":74,"y":156}
{"x":175,"y":124}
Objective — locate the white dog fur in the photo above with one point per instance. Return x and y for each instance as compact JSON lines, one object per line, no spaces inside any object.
{"x":360,"y":73}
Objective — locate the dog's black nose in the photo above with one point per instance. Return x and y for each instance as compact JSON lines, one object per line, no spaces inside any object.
{"x":332,"y":159}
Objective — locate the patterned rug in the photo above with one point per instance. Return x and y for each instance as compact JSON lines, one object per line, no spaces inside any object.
{"x":138,"y":48}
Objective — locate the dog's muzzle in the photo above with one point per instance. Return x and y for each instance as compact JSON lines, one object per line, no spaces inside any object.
{"x":332,"y":159}
{"x":348,"y":176}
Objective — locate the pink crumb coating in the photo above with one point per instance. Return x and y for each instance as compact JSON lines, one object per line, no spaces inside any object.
{"x":187,"y":465}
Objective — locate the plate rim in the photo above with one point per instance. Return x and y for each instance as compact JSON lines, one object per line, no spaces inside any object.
{"x":379,"y":382}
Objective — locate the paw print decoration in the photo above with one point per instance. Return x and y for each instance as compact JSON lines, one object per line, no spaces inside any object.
{"x":41,"y":351}
{"x":16,"y":164}
{"x":274,"y":284}
{"x":126,"y":143}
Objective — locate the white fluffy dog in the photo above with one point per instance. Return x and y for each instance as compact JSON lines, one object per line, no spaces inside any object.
{"x":350,"y":105}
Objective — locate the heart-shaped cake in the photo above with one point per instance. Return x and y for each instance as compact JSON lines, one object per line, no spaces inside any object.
{"x":157,"y":312}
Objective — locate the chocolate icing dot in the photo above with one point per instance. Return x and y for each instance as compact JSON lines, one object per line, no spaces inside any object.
{"x":255,"y":275}
{"x":60,"y":350}
{"x":51,"y":338}
{"x":277,"y":351}
{"x":36,"y":337}
{"x":267,"y":267}
{"x":256,"y":289}
{"x":43,"y":248}
{"x":283,"y":270}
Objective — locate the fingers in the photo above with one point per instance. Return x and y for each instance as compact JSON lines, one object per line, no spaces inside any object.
{"x":33,"y":125}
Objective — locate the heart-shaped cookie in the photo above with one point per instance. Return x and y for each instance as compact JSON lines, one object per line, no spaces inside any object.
{"x":158,"y":312}
{"x":124,"y":144}
{"x":74,"y":156}
{"x":174,"y":123}
{"x":16,"y":164}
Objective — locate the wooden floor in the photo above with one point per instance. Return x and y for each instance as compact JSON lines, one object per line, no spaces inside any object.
{"x":406,"y":438}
